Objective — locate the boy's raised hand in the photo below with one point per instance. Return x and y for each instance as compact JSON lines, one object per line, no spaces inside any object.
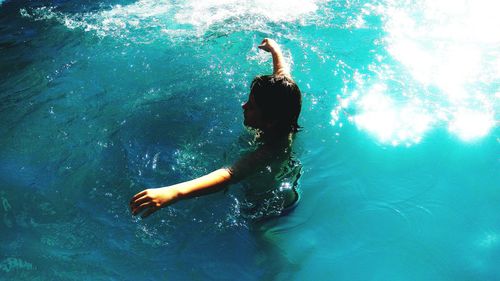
{"x":279,"y":65}
{"x":268,"y":45}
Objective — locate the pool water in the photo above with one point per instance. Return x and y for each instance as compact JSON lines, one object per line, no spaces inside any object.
{"x":399,"y":150}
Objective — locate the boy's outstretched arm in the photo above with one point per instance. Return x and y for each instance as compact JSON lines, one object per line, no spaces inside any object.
{"x":279,"y":65}
{"x":151,"y":200}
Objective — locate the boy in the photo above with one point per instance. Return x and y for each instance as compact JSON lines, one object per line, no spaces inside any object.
{"x":272,"y":109}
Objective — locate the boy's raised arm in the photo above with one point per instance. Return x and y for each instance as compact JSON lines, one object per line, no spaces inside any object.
{"x":279,"y":65}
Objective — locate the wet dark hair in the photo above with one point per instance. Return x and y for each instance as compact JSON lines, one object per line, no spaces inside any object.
{"x":280,"y":101}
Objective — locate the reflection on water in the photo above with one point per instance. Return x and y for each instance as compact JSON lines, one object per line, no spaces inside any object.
{"x":470,"y":124}
{"x":441,"y":69}
{"x":388,"y":121}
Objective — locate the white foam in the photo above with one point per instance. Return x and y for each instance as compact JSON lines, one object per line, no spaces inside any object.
{"x":254,"y":13}
{"x":187,"y":18}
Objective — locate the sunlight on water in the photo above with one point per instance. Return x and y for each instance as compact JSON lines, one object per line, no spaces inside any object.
{"x":470,"y":124}
{"x":439,"y":66}
{"x":389,"y":122}
{"x":450,"y":49}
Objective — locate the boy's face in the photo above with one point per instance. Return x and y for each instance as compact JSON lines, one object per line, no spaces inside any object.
{"x":252,"y":114}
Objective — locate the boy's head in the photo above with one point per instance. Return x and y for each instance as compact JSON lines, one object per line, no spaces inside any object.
{"x":274,"y":104}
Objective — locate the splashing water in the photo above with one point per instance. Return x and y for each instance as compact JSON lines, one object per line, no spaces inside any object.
{"x":180,"y":19}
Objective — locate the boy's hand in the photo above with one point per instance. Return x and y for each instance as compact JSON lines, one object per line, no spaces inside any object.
{"x":151,"y":200}
{"x":269,"y":45}
{"x":279,"y":66}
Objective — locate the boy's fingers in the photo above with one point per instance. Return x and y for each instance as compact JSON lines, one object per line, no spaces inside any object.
{"x":265,"y":48}
{"x":139,"y":201}
{"x":142,"y":207}
{"x":138,"y":195}
{"x":264,"y":42}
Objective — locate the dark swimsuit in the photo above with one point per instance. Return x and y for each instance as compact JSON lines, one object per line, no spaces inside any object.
{"x":288,"y":209}
{"x":262,"y":172}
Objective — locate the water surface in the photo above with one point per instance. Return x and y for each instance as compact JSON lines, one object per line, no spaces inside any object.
{"x":399,"y":147}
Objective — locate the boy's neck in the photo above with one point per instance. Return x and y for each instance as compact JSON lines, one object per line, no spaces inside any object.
{"x":272,"y":136}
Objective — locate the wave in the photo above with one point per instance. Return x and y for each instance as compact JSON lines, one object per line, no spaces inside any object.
{"x":175,"y":19}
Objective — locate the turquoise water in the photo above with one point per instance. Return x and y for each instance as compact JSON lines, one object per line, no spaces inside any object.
{"x":399,"y":147}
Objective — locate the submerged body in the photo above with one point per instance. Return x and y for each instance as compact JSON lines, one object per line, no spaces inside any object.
{"x":268,"y":175}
